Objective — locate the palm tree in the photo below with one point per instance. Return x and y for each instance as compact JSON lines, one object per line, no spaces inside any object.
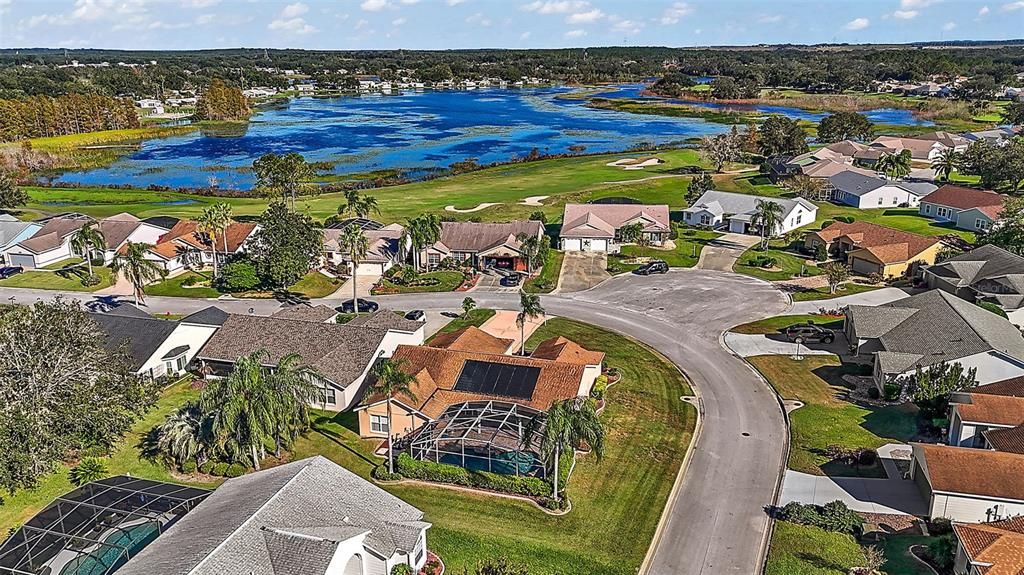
{"x":391,"y":381}
{"x":351,"y":201}
{"x":529,"y":308}
{"x":949,"y":161}
{"x":88,"y":470}
{"x":137,"y":269}
{"x":529,"y":244}
{"x":222,"y":216}
{"x":295,"y":393}
{"x":209,"y":224}
{"x":895,"y":165}
{"x":181,"y":436}
{"x":354,"y":245}
{"x":244,"y":407}
{"x":567,"y":424}
{"x":86,"y":239}
{"x":768,"y":217}
{"x":367,"y":205}
{"x":423,"y":231}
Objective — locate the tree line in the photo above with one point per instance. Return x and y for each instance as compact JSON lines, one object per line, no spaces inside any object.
{"x":42,"y":116}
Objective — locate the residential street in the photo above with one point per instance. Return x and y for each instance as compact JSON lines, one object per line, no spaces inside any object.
{"x":716,"y":521}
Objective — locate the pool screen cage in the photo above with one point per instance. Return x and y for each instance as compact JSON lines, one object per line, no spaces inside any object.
{"x":483,"y":436}
{"x":96,"y":528}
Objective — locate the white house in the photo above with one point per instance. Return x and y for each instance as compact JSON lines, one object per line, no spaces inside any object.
{"x":122,"y":228}
{"x":150,"y":105}
{"x":50,"y":244}
{"x":14,"y":231}
{"x":186,"y":245}
{"x":598,"y":227}
{"x":386,"y":245}
{"x":736,"y":212}
{"x":865,"y":192}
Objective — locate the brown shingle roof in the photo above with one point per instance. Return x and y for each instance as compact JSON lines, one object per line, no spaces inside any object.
{"x":974,"y":471}
{"x":999,"y":545}
{"x":563,"y":349}
{"x":964,"y":198}
{"x":1010,"y":439}
{"x":887,"y":244}
{"x":471,"y":338}
{"x":187,"y":231}
{"x":993,"y":409}
{"x":601,"y":220}
{"x":478,"y":237}
{"x":116,"y":229}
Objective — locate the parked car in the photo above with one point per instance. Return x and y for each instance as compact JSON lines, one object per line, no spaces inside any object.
{"x":365,"y":306}
{"x":808,"y":332}
{"x":652,"y":267}
{"x":511,"y":280}
{"x":416,"y":315}
{"x":9,"y":271}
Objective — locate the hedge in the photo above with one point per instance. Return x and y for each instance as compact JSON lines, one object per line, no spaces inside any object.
{"x":234,"y":470}
{"x":188,"y":467}
{"x":444,"y":473}
{"x":219,"y":469}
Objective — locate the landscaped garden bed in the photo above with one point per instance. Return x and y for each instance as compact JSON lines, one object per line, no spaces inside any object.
{"x":436,"y":281}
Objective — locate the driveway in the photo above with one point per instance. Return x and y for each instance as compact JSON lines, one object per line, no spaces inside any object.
{"x":721,"y":253}
{"x":364,"y":283}
{"x":867,"y":495}
{"x":582,"y":271}
{"x":502,"y":325}
{"x":873,"y":297}
{"x":747,"y":345}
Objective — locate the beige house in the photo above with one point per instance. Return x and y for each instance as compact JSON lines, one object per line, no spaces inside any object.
{"x":873,"y":249}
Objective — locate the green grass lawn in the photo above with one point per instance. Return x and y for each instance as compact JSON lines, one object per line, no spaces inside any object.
{"x":446,"y":281}
{"x":688,"y":243}
{"x":805,"y":550}
{"x":898,"y":560}
{"x":63,"y":264}
{"x":63,"y":281}
{"x":778,"y":323}
{"x":825,"y":419}
{"x":547,"y":279}
{"x":124,"y":459}
{"x":476,"y":318}
{"x":906,"y":219}
{"x":173,"y":287}
{"x":616,"y":503}
{"x":823,"y":293}
{"x":315,"y":285}
{"x":788,"y":264}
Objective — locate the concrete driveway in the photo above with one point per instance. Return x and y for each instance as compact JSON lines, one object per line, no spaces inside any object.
{"x":721,"y":254}
{"x":747,"y":345}
{"x":867,"y":495}
{"x":582,"y":271}
{"x":873,"y":297}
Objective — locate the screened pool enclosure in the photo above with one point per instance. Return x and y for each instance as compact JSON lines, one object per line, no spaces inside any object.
{"x":96,"y":528}
{"x":483,"y":436}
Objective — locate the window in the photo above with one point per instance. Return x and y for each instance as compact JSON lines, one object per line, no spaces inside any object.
{"x":180,"y":362}
{"x":927,"y":208}
{"x":327,"y":396}
{"x":686,"y":215}
{"x":799,"y":217}
{"x":379,"y":423}
{"x":880,"y":200}
{"x":168,"y":367}
{"x":895,"y":200}
{"x":433,"y":259}
{"x":981,"y":224}
{"x":705,"y":220}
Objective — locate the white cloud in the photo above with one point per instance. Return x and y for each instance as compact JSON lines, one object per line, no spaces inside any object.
{"x":905,"y":14}
{"x":410,"y":2}
{"x":478,"y":19}
{"x":949,"y":26}
{"x":375,"y":5}
{"x":455,"y":2}
{"x":290,"y":20}
{"x":983,"y":11}
{"x":525,"y":35}
{"x":294,"y":10}
{"x":770,"y":19}
{"x":623,"y":26}
{"x":199,"y":3}
{"x":912,"y":4}
{"x":362,"y":24}
{"x":398,"y":21}
{"x":857,"y":24}
{"x":1012,"y":6}
{"x":160,"y":25}
{"x":204,"y":19}
{"x":674,"y":13}
{"x":556,"y":6}
{"x":588,"y":17}
{"x":575,"y":33}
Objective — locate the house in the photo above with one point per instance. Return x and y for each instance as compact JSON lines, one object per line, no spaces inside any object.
{"x":50,"y":244}
{"x":966,"y":208}
{"x":868,"y":191}
{"x":12,"y":232}
{"x":150,"y":105}
{"x":186,"y":246}
{"x":989,"y":412}
{"x":736,"y":211}
{"x":992,"y":548}
{"x":989,"y":273}
{"x":921,"y":149}
{"x":828,"y":168}
{"x":483,"y":245}
{"x":930,"y":328}
{"x":305,"y":312}
{"x":308,"y":517}
{"x":970,"y":485}
{"x":996,"y":136}
{"x":157,"y":347}
{"x":123,"y":228}
{"x":387,"y":244}
{"x":598,"y":227}
{"x":446,"y":376}
{"x":873,"y":249}
{"x":337,"y":358}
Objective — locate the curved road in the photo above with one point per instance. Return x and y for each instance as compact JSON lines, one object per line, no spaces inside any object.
{"x":716,"y":522}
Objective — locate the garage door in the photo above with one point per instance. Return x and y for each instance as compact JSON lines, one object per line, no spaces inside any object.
{"x":22,"y":260}
{"x":571,"y":245}
{"x":737,"y":227}
{"x":599,"y":245}
{"x":864,"y":267}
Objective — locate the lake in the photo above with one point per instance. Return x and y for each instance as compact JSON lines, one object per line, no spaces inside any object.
{"x":415,"y":131}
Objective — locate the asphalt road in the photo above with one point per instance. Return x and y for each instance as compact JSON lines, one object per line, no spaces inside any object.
{"x":716,"y":522}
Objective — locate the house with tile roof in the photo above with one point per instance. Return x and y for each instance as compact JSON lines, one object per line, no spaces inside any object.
{"x":186,"y":245}
{"x":598,"y":227}
{"x":966,"y":208}
{"x":970,"y":485}
{"x":994,"y":408}
{"x":924,"y":148}
{"x":308,"y":517}
{"x":51,"y":241}
{"x":445,"y":374}
{"x":873,"y":249}
{"x":483,"y":245}
{"x":387,"y":245}
{"x":736,"y":212}
{"x":993,"y":548}
{"x":931,"y":328}
{"x":867,"y":191}
{"x":988,"y":273}
{"x":336,"y":357}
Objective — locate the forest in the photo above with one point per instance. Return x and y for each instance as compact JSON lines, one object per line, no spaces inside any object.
{"x":44,"y":116}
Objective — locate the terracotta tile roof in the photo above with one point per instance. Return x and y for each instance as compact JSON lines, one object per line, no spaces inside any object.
{"x":1013,"y":387}
{"x":888,"y":245}
{"x":964,"y":198}
{"x":471,"y":338}
{"x":974,"y":471}
{"x":998,"y":546}
{"x":556,"y":381}
{"x":993,"y":409}
{"x":166,"y":250}
{"x":187,"y":231}
{"x":563,"y":349}
{"x":1009,"y":439}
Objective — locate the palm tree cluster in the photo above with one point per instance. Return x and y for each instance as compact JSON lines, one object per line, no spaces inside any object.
{"x":238,"y":417}
{"x":568,"y":424}
{"x":358,"y":205}
{"x":86,"y":240}
{"x":948,"y":161}
{"x":896,"y":165}
{"x":422,"y":232}
{"x":767,"y":217}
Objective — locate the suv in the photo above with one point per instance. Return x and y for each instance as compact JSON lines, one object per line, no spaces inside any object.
{"x":10,"y":271}
{"x":510,"y":280}
{"x":809,"y":333}
{"x":416,"y":315}
{"x":652,"y":267}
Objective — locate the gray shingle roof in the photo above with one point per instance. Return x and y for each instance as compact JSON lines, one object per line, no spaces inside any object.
{"x":855,"y":184}
{"x":386,"y":319}
{"x":212,"y":315}
{"x":243,"y":527}
{"x":144,"y":335}
{"x":986,"y":261}
{"x":11,"y":228}
{"x":305,"y":312}
{"x":731,"y":203}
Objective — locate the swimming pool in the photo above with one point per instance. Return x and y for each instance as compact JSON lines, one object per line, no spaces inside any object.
{"x":110,"y":556}
{"x":502,"y":463}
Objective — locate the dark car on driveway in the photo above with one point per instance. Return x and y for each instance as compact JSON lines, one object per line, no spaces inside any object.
{"x":652,"y":267}
{"x":9,"y":271}
{"x":365,"y":306}
{"x":416,"y":315}
{"x":810,"y":333}
{"x":510,"y":280}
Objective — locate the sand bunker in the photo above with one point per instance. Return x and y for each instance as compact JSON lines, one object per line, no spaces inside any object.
{"x":534,"y":200}
{"x":482,"y":206}
{"x":635,"y":163}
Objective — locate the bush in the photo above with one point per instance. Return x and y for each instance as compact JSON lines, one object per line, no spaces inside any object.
{"x":940,"y":526}
{"x":845,"y":219}
{"x":550,"y":503}
{"x":94,"y":451}
{"x":764,"y":262}
{"x":88,"y":470}
{"x":613,"y":269}
{"x":867,"y":457}
{"x":401,"y":569}
{"x":239,"y":276}
{"x":380,"y":473}
{"x":873,"y":392}
{"x":820,"y":253}
{"x":799,"y":513}
{"x":444,"y":473}
{"x":91,"y":280}
{"x":188,"y":467}
{"x":992,"y":308}
{"x":207,"y":467}
{"x":234,"y":470}
{"x":834,"y":516}
{"x":600,"y":386}
{"x":941,"y":551}
{"x":892,"y":391}
{"x":220,"y":469}
{"x":538,"y":216}
{"x":191,"y":281}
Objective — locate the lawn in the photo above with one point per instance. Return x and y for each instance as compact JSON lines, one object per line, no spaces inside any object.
{"x":446,"y":281}
{"x":826,"y":419}
{"x":476,"y":318}
{"x":805,"y":550}
{"x":172,"y":287}
{"x":124,"y":459}
{"x":823,"y":293}
{"x":788,"y":264}
{"x":547,"y":279}
{"x":60,"y":281}
{"x":616,"y":503}
{"x":898,"y":560}
{"x":778,"y":323}
{"x":315,"y":285}
{"x":689,"y":244}
{"x":59,"y":265}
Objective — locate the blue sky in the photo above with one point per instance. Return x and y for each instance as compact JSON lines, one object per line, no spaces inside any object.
{"x":439,"y":24}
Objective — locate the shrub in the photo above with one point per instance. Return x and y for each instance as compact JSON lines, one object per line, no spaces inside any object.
{"x":401,"y":569}
{"x":188,"y":467}
{"x":91,"y":280}
{"x":239,"y":276}
{"x":219,"y":469}
{"x":206,"y":467}
{"x":827,"y":223}
{"x":89,"y":469}
{"x":764,"y":261}
{"x":836,"y":516}
{"x":799,"y":513}
{"x":234,"y":470}
{"x":820,"y":253}
{"x":992,"y":308}
{"x":600,"y":386}
{"x":613,"y":269}
{"x":381,"y":473}
{"x":867,"y":457}
{"x":444,"y":473}
{"x":845,"y":219}
{"x":873,"y":392}
{"x":190,"y":281}
{"x":94,"y":451}
{"x":892,"y":391}
{"x":538,"y":216}
{"x":940,"y":526}
{"x":941,"y":551}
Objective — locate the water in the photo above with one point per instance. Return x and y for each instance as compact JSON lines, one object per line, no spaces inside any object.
{"x":415,"y":131}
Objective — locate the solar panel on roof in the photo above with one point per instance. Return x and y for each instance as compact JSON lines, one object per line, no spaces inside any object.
{"x":489,"y":378}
